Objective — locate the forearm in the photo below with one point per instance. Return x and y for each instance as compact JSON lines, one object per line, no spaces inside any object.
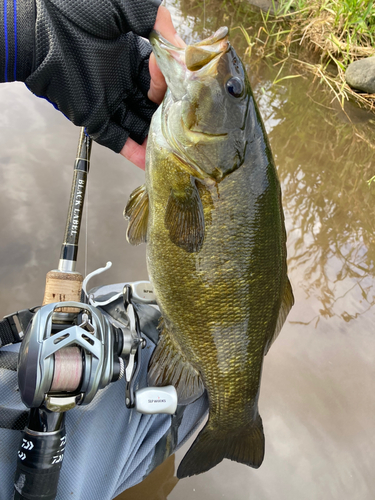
{"x":17,"y":21}
{"x":20,"y":19}
{"x":92,"y":16}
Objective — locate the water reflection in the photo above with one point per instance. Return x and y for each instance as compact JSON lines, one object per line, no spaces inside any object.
{"x":324,"y":163}
{"x":157,"y":486}
{"x":37,"y":152}
{"x":198,"y":19}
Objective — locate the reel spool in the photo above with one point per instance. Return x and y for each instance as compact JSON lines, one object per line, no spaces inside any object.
{"x":61,"y":367}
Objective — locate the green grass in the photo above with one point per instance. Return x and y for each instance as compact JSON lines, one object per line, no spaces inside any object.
{"x":334,"y":32}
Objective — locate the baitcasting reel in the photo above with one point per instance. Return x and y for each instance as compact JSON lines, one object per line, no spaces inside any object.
{"x":61,"y":366}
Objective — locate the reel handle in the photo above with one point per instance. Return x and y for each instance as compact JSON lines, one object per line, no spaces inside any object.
{"x":152,"y":400}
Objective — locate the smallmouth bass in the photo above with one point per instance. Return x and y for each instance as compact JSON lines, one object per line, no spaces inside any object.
{"x":211,"y":214}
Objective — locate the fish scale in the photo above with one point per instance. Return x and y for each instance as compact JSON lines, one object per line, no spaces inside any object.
{"x":216,"y":246}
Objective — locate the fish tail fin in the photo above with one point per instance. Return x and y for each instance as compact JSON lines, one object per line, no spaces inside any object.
{"x":210,"y":447}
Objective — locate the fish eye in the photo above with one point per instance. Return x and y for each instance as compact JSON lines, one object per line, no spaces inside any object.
{"x":235,"y":86}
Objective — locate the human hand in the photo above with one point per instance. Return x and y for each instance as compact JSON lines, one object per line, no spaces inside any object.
{"x":136,"y":153}
{"x":90,"y":60}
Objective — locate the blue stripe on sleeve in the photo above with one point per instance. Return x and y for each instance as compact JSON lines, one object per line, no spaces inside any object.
{"x":6,"y":38}
{"x":15,"y":37}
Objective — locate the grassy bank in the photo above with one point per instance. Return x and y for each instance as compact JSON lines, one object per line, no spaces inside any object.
{"x":321,"y":36}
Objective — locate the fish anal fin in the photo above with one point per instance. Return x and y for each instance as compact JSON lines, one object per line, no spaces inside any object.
{"x":137,"y":212}
{"x":212,"y":445}
{"x":286,"y":305}
{"x":184,"y":216}
{"x":169,"y":366}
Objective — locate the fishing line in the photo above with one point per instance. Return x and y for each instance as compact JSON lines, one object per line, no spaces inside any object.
{"x":86,"y":227}
{"x":204,"y":16}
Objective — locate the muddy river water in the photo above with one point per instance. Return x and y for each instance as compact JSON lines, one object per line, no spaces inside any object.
{"x":317,"y":399}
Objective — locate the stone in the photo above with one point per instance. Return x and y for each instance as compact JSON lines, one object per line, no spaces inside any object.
{"x":264,"y":4}
{"x":360,"y":75}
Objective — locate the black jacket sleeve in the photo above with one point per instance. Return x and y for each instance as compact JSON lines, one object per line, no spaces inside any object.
{"x":87,"y":57}
{"x":17,"y":21}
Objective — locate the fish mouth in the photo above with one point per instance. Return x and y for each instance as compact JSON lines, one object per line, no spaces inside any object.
{"x":161,"y":44}
{"x":193,"y":57}
{"x":209,"y":43}
{"x":156,"y":37}
{"x":181,"y":66}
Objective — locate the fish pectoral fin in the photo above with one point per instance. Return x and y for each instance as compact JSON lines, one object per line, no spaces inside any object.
{"x":184,"y":216}
{"x":169,"y":366}
{"x":286,"y":305}
{"x":136,"y":211}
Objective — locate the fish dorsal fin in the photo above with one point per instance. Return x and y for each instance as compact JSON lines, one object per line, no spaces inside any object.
{"x":136,"y":211}
{"x":184,"y":216}
{"x":169,"y":366}
{"x":286,"y":305}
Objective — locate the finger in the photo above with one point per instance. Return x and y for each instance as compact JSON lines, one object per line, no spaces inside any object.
{"x":135,"y":153}
{"x":163,"y":24}
{"x":109,"y":134}
{"x":158,"y":87}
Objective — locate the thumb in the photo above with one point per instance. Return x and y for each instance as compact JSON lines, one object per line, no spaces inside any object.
{"x":158,"y":87}
{"x":164,"y":25}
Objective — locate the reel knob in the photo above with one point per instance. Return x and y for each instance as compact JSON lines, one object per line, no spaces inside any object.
{"x":151,"y":400}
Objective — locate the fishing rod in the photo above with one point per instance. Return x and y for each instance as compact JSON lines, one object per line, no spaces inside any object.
{"x":43,"y":440}
{"x":70,"y":350}
{"x":65,"y":283}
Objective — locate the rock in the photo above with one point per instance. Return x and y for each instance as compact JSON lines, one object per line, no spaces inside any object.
{"x":264,"y":4}
{"x":360,"y":75}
